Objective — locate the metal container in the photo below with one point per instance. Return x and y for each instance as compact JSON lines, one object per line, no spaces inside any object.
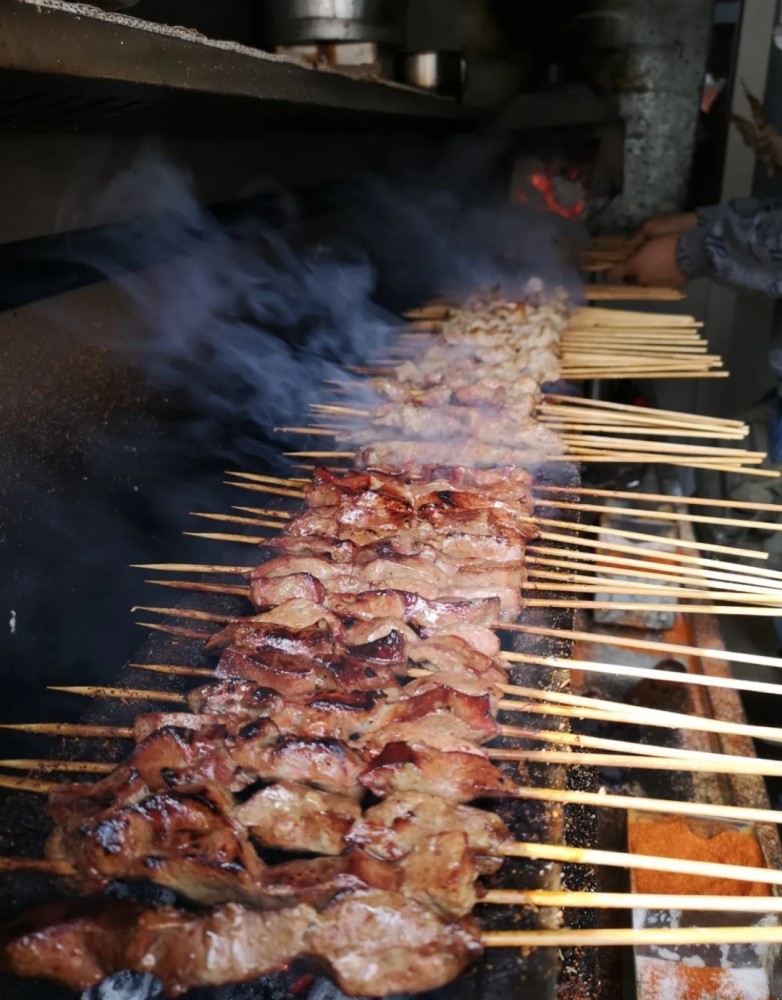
{"x":297,"y":22}
{"x":442,"y":72}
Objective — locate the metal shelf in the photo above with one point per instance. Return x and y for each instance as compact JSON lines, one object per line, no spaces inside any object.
{"x":71,"y":64}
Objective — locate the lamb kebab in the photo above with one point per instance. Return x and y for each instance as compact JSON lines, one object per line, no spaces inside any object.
{"x":171,"y":815}
{"x":369,"y":942}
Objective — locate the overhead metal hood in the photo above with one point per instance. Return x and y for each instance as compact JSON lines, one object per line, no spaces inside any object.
{"x":69,"y":65}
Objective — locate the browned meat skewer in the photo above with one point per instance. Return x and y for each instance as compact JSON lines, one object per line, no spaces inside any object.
{"x":371,"y":943}
{"x":200,"y":846}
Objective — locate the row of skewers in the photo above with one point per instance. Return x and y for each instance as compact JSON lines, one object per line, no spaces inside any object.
{"x":371,"y":663}
{"x":473,"y":381}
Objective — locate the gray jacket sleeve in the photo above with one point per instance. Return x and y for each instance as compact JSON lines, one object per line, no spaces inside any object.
{"x":739,"y":243}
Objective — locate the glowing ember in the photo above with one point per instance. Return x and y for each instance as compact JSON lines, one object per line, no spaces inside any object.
{"x":547,"y":190}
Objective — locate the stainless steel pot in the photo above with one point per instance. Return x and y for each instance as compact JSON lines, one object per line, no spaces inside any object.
{"x":296,"y":22}
{"x":442,"y":72}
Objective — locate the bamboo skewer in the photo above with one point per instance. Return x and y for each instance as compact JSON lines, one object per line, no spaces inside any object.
{"x":529,"y":793}
{"x":70,"y":729}
{"x":645,"y":673}
{"x":631,"y":937}
{"x":651,"y":644}
{"x":236,"y":519}
{"x":202,"y":588}
{"x":615,"y":714}
{"x":550,"y":584}
{"x":65,"y":766}
{"x":677,"y":543}
{"x":735,"y":765}
{"x":195,"y":568}
{"x":548,"y":852}
{"x":621,"y":409}
{"x":265,"y":488}
{"x":665,"y":515}
{"x":631,"y":901}
{"x":703,"y":609}
{"x":661,"y":498}
{"x":600,"y":569}
{"x":218,"y":536}
{"x":123,"y":694}
{"x":665,"y":559}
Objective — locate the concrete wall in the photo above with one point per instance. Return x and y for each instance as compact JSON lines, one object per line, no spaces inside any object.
{"x":652,"y":55}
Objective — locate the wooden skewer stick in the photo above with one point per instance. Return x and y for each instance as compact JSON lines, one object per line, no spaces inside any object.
{"x":775,"y":508}
{"x":629,"y":408}
{"x":562,"y":704}
{"x":618,"y":713}
{"x":584,"y":571}
{"x":631,"y":901}
{"x":586,"y":585}
{"x":629,"y":293}
{"x":283,"y":515}
{"x":548,"y":852}
{"x":584,"y":742}
{"x":349,"y":411}
{"x":577,"y":375}
{"x":642,"y":536}
{"x":536,"y":703}
{"x":175,"y":670}
{"x":35,"y":785}
{"x":219,"y":536}
{"x":202,"y":588}
{"x":70,"y":729}
{"x":630,"y":937}
{"x":191,"y":613}
{"x":740,"y":765}
{"x":647,"y":673}
{"x":124,"y":694}
{"x":723,"y":764}
{"x":664,"y":559}
{"x":293,"y":484}
{"x":195,"y":568}
{"x":570,"y":429}
{"x":702,"y":609}
{"x":652,"y":644}
{"x":66,"y":766}
{"x":673,"y":807}
{"x":666,"y":515}
{"x":183,"y":633}
{"x":235,"y":519}
{"x":534,"y":897}
{"x":265,"y":488}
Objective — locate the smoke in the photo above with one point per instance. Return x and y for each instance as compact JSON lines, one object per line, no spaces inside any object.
{"x":236,"y":321}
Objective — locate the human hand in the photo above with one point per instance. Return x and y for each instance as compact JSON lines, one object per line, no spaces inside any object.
{"x":662,"y":225}
{"x":654,"y":263}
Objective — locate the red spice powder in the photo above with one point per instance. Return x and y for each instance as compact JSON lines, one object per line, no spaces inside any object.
{"x":674,"y":839}
{"x":659,"y":980}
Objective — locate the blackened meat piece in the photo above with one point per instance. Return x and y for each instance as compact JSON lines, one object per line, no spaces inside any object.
{"x":326,"y":764}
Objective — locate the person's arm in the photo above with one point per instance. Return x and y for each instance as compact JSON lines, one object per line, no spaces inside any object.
{"x":740,"y":247}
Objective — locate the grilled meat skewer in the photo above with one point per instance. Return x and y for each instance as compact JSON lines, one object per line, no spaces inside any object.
{"x":369,"y":942}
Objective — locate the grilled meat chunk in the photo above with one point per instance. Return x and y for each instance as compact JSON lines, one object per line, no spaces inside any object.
{"x":294,"y":817}
{"x":455,"y":776}
{"x":394,"y":827}
{"x":370,"y":942}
